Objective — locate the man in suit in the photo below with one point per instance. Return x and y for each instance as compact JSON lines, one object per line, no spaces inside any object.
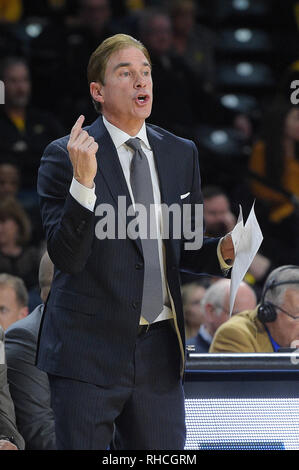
{"x":112,"y":338}
{"x":10,"y":438}
{"x":29,"y":386}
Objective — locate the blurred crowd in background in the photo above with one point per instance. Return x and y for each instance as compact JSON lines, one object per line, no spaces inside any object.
{"x":224,"y":74}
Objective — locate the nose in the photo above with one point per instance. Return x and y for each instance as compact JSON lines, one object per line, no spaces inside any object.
{"x":140,"y":81}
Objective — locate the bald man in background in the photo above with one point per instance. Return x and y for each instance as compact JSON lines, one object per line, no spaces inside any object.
{"x":215,"y":308}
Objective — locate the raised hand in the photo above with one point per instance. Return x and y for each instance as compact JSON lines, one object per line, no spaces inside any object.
{"x":227,"y":249}
{"x":82,"y":150}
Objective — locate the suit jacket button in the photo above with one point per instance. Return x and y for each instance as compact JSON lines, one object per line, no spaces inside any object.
{"x":138,"y":265}
{"x":135,"y":305}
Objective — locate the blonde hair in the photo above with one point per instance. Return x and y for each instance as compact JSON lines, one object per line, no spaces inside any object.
{"x":97,"y":64}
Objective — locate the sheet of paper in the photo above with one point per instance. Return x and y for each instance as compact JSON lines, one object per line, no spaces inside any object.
{"x":246,"y":239}
{"x":238,"y":230}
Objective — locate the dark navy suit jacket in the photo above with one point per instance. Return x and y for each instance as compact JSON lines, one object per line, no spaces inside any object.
{"x":91,"y":320}
{"x":29,"y":386}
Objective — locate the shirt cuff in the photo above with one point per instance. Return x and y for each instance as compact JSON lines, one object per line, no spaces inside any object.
{"x":85,"y":196}
{"x":224,"y":266}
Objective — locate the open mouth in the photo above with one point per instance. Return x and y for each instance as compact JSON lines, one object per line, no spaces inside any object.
{"x":142,"y":99}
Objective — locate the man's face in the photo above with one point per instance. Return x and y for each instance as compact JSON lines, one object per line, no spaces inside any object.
{"x":285,"y":330}
{"x":126,"y":96}
{"x":10,"y":309}
{"x":9,"y":231}
{"x":216,"y":215}
{"x":9,"y":180}
{"x":17,"y":86}
{"x":193,"y":311}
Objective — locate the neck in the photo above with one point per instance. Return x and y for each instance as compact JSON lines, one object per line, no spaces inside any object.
{"x":278,"y":335}
{"x":209,"y":328}
{"x":130,"y":127}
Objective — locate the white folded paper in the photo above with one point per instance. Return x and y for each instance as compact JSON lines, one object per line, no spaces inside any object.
{"x":247,"y":240}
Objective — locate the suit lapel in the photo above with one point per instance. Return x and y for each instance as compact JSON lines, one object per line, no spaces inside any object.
{"x":168,"y":188}
{"x":160,"y":147}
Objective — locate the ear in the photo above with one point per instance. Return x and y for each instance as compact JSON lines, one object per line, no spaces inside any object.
{"x":23,"y":312}
{"x":96,"y":91}
{"x":209,"y":310}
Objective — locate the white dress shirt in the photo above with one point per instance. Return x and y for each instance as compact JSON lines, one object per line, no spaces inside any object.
{"x":87,"y":198}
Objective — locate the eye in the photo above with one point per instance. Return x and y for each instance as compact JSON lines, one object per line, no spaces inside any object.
{"x":125,"y":73}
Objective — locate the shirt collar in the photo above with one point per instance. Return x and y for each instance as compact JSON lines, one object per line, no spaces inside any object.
{"x":119,"y":137}
{"x":205,"y":334}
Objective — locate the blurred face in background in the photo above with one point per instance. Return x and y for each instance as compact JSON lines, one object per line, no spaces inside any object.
{"x":9,"y":180}
{"x":292,"y":124}
{"x":10,"y":309}
{"x":158,"y":38}
{"x":192,"y":308}
{"x":17,"y":86}
{"x":9,"y":232}
{"x":95,"y":14}
{"x":184,"y":18}
{"x":217,"y":215}
{"x":285,"y":330}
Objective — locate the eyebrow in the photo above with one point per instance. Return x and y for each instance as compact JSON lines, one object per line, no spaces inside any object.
{"x":127,"y":64}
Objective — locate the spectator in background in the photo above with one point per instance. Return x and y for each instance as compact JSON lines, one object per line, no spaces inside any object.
{"x":10,"y":439}
{"x":254,"y":332}
{"x":218,"y":216}
{"x":181,"y":104}
{"x":13,"y":300}
{"x":274,"y":171}
{"x":64,"y":49}
{"x":194,"y":42}
{"x":9,"y":180}
{"x":10,"y":184}
{"x":192,"y":294}
{"x":16,"y":257}
{"x":29,"y":386}
{"x":215,"y":308}
{"x":24,"y":131}
{"x":219,"y":220}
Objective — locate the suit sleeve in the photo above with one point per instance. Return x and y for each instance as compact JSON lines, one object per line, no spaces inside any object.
{"x":204,"y":259}
{"x":7,"y":413}
{"x":30,"y":390}
{"x":69,"y":226}
{"x":229,"y":338}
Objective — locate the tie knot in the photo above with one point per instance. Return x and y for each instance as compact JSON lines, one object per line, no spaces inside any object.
{"x":134,"y":144}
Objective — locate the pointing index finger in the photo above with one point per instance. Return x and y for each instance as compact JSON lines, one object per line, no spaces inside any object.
{"x":77,"y":127}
